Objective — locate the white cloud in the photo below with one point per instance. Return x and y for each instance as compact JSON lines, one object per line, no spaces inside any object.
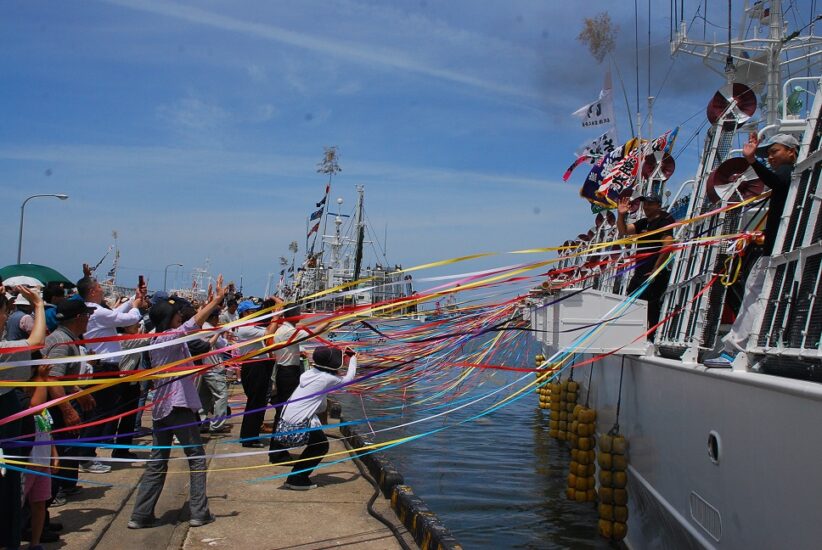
{"x":256,"y":73}
{"x":193,"y":162}
{"x":351,"y":87}
{"x":352,"y":51}
{"x":263,"y":113}
{"x":192,"y":113}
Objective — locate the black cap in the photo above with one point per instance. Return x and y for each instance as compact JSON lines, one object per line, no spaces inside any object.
{"x":651,"y":198}
{"x":69,"y":309}
{"x":162,"y":312}
{"x":327,"y":358}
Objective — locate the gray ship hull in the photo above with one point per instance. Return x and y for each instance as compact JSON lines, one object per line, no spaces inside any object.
{"x":763,"y":488}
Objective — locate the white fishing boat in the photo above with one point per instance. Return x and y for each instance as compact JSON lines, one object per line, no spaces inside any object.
{"x":717,"y":457}
{"x":335,"y":259}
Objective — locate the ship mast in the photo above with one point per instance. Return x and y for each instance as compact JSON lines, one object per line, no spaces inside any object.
{"x":330,"y":166}
{"x":359,"y":225}
{"x":770,"y":54}
{"x":336,"y":241}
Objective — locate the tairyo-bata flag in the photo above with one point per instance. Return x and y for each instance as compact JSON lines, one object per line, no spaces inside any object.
{"x":599,"y":112}
{"x":599,"y":146}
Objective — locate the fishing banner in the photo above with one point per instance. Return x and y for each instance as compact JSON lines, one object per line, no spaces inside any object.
{"x":599,"y":112}
{"x":599,"y":146}
{"x":615,"y":174}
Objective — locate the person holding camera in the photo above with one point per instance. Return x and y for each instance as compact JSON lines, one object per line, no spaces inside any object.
{"x":301,"y":412}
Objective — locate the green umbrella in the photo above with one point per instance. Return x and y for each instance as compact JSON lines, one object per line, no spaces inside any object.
{"x":40,"y":272}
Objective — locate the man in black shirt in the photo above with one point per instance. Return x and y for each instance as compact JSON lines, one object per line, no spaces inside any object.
{"x":650,"y":254}
{"x":781,"y":151}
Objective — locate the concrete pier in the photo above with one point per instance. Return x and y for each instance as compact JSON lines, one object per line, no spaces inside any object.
{"x":249,"y":515}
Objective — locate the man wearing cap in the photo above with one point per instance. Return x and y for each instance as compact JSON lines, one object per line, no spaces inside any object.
{"x":288,"y":370}
{"x":781,"y":151}
{"x":19,"y":323}
{"x":72,"y":319}
{"x":650,"y":254}
{"x":229,"y":314}
{"x":255,"y":373}
{"x":103,"y":323}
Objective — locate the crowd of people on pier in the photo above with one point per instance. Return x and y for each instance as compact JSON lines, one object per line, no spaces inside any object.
{"x":56,"y":426}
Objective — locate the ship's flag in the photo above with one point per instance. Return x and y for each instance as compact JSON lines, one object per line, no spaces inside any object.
{"x":317,"y":215}
{"x":600,"y":112}
{"x":593,"y":150}
{"x":615,"y":174}
{"x":576,"y":163}
{"x":612,"y":175}
{"x":314,"y":229}
{"x":325,"y":197}
{"x":663,"y":143}
{"x":599,"y":146}
{"x":620,"y":177}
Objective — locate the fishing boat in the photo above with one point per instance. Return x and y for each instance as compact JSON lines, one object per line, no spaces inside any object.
{"x":335,"y":259}
{"x":717,"y":457}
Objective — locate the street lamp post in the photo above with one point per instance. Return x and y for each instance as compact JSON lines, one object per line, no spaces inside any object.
{"x":61,"y":196}
{"x":165,"y":274}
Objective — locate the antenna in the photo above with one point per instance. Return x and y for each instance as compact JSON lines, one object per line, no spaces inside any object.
{"x":730,"y":69}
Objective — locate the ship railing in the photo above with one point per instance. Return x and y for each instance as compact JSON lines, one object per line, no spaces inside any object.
{"x":787,"y":336}
{"x":696,"y":324}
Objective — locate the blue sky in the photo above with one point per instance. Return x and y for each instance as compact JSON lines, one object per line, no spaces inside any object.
{"x":193,"y":128}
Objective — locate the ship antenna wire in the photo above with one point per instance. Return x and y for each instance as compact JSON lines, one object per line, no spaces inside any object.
{"x":636,"y":52}
{"x":588,"y":393}
{"x":619,"y":396}
{"x":650,"y":98}
{"x":625,"y":95}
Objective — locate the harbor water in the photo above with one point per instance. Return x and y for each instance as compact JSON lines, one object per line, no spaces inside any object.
{"x":496,"y":482}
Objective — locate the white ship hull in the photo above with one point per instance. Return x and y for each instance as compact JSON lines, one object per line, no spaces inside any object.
{"x":763,"y":491}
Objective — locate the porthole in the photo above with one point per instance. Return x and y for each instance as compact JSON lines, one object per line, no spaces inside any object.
{"x":714,"y":447}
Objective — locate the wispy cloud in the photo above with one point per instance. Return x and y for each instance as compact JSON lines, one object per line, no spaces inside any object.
{"x":351,"y":51}
{"x":193,"y":113}
{"x":193,"y":162}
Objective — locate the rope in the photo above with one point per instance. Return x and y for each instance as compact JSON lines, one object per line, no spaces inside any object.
{"x":615,"y":429}
{"x":588,"y":392}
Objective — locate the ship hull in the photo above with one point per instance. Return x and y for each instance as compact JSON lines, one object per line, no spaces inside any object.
{"x":763,"y":489}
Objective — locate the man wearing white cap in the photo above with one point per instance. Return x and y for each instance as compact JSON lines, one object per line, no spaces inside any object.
{"x":781,"y":151}
{"x":21,"y":321}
